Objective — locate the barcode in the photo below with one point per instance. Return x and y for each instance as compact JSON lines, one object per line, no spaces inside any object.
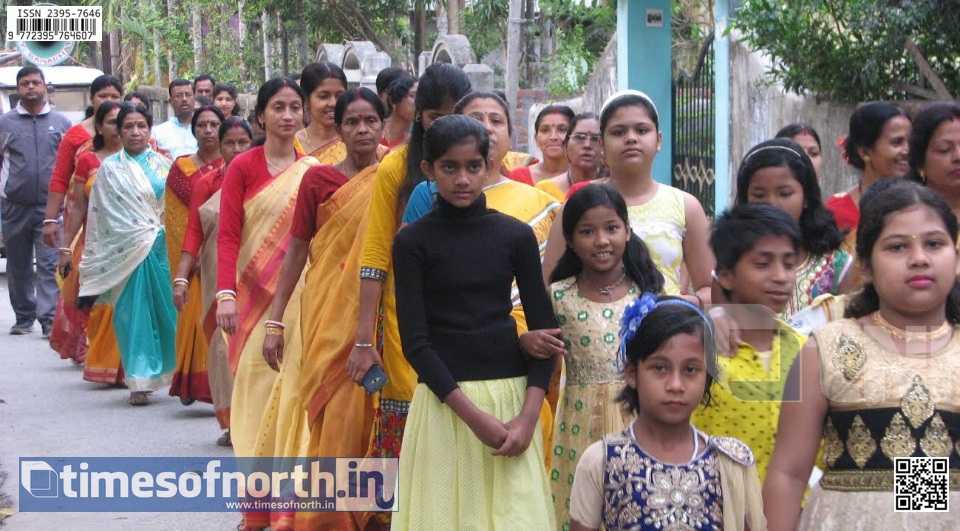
{"x":921,"y":484}
{"x":56,"y":24}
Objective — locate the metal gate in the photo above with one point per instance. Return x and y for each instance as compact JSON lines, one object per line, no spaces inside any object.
{"x":693,"y":130}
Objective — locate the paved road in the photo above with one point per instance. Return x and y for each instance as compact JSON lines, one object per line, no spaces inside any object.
{"x":46,"y":409}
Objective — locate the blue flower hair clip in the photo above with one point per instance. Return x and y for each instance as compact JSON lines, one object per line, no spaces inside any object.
{"x":633,"y":315}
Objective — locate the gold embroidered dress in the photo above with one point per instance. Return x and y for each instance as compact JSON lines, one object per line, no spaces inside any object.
{"x":883,"y":405}
{"x":587,"y":407}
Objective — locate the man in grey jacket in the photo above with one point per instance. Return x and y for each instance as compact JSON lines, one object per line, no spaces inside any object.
{"x":29,"y":137}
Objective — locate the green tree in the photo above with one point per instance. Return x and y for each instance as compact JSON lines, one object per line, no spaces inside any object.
{"x":858,"y":50}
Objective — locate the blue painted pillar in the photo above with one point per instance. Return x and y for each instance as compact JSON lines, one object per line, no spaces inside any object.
{"x":721,"y":102}
{"x":644,"y":62}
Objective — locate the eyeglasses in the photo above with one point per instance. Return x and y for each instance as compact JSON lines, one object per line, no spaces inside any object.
{"x":181,"y":96}
{"x":582,"y":138}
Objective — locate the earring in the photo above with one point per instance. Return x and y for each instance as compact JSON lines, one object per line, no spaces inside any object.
{"x":923,"y":177}
{"x":417,"y":118}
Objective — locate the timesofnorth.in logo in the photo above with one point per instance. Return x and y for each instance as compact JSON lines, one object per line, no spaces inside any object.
{"x":201,"y":484}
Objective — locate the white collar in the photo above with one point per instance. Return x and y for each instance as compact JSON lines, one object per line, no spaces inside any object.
{"x":45,"y":110}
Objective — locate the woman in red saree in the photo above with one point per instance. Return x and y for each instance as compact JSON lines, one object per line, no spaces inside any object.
{"x":322,"y":84}
{"x":200,"y":243}
{"x":190,"y":377}
{"x":320,"y":411}
{"x":102,"y":362}
{"x":257,"y":200}
{"x":68,"y":334}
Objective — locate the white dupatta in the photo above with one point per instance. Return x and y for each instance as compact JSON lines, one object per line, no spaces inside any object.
{"x":124,"y":217}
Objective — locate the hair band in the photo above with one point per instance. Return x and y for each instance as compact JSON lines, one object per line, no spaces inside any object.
{"x":768,"y":148}
{"x":630,"y":92}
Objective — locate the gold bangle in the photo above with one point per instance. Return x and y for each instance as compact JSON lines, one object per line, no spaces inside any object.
{"x":274,"y":331}
{"x":225,"y":297}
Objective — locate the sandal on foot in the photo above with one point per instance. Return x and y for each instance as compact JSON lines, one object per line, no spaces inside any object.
{"x":224,"y":440}
{"x":187,"y":401}
{"x":139,"y":398}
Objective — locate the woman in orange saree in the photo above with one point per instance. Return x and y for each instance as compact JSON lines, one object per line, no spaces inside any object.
{"x":322,"y":84}
{"x":257,"y":200}
{"x":190,"y":381}
{"x":200,"y":243}
{"x":329,"y":226}
{"x":102,"y":362}
{"x":68,"y":335}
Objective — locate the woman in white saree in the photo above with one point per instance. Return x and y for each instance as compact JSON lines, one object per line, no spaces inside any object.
{"x":125,"y":262}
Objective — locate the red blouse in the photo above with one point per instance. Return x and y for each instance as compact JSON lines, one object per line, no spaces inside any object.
{"x":846,"y":212}
{"x":203,"y":190}
{"x":318,"y":184}
{"x":521,"y":175}
{"x":246,"y":176}
{"x":86,"y":163}
{"x":64,"y":167}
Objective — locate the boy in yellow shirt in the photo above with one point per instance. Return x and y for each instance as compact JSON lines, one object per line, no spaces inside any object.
{"x":756,"y":251}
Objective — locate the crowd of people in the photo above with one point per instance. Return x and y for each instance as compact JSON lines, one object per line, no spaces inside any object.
{"x":562,"y":343}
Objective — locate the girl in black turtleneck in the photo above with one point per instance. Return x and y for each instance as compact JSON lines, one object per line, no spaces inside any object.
{"x":477,"y":391}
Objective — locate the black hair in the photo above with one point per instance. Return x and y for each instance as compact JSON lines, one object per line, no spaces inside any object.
{"x":203,"y":77}
{"x":925,"y":124}
{"x":270,"y":89}
{"x":657,"y":328}
{"x":234,"y":122}
{"x":817,"y":224}
{"x":202,"y":101}
{"x":316,"y":73}
{"x":797,"y":129}
{"x":232,"y":91}
{"x":352,"y":95}
{"x":866,"y":125}
{"x":736,"y":231}
{"x":127,"y":108}
{"x":636,"y":258}
{"x":104,"y":81}
{"x":440,"y":82}
{"x":200,"y":110}
{"x":880,"y":200}
{"x":399,"y":89}
{"x":453,"y":130}
{"x":573,"y":124}
{"x":30,"y":70}
{"x":138,"y":95}
{"x":387,"y":76}
{"x":483,"y":95}
{"x":102,"y":111}
{"x":629,"y":99}
{"x":178,"y":83}
{"x":553,"y":109}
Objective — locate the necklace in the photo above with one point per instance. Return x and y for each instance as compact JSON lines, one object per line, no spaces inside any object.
{"x":696,"y":441}
{"x":898,"y":333}
{"x":272,"y":165}
{"x":606,"y":290}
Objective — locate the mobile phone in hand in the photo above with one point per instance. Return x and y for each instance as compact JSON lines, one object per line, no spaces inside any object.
{"x":374,"y":380}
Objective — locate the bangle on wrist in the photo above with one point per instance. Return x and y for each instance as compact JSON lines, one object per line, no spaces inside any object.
{"x":363,"y":345}
{"x":226,"y":295}
{"x":274,"y":331}
{"x":274,"y":324}
{"x":50,"y":221}
{"x":180,"y":280}
{"x":66,"y":250}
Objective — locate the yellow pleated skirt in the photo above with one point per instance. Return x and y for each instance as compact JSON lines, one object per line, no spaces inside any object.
{"x":450,"y":480}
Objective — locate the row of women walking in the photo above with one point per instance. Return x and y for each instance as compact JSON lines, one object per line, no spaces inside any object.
{"x":324,"y":253}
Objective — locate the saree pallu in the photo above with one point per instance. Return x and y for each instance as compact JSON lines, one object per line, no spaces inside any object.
{"x":517,"y":159}
{"x":267,"y":219}
{"x":219,"y":374}
{"x":102,"y":364}
{"x":68,"y":336}
{"x":340,"y":412}
{"x":125,"y":264}
{"x":190,"y":381}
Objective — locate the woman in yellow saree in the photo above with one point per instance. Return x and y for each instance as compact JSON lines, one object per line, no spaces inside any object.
{"x":102,"y":362}
{"x":329,"y":226}
{"x":257,"y":200}
{"x":190,"y":381}
{"x":322,"y":84}
{"x":200,"y":243}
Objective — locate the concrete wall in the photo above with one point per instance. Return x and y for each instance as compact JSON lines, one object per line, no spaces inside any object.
{"x":161,"y":109}
{"x":759,"y":109}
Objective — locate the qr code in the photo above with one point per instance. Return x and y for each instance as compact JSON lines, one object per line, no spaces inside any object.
{"x":921,"y":484}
